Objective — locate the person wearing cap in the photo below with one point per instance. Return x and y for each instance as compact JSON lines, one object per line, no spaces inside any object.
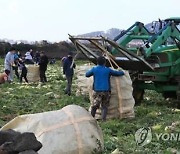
{"x":101,"y":86}
{"x":9,"y":63}
{"x":43,"y":66}
{"x":68,"y":70}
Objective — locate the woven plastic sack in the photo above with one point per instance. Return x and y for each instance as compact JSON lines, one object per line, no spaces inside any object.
{"x":33,"y":73}
{"x":71,"y":130}
{"x":81,"y":81}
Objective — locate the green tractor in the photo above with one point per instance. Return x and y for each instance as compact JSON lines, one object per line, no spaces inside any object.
{"x":151,"y":56}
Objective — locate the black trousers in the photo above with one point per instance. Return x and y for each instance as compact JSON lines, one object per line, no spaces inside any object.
{"x":15,"y":68}
{"x":43,"y":75}
{"x":69,"y":84}
{"x":23,"y":75}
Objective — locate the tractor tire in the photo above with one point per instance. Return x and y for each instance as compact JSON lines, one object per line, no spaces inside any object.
{"x":169,"y":94}
{"x":178,"y":94}
{"x":138,"y":96}
{"x":177,"y":98}
{"x":177,"y":101}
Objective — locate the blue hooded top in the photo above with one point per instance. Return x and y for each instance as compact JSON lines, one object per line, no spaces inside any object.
{"x":102,"y":76}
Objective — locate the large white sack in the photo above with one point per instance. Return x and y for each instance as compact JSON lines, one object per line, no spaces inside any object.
{"x":71,"y":130}
{"x":33,"y":73}
{"x":82,"y":81}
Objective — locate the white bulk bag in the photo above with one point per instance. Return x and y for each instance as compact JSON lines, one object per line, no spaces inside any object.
{"x":33,"y":73}
{"x":71,"y":130}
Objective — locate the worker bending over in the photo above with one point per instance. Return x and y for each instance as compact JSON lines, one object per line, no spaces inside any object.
{"x":4,"y":76}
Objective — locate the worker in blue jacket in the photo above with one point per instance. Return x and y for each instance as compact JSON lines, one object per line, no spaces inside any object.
{"x":68,"y":70}
{"x":102,"y":86}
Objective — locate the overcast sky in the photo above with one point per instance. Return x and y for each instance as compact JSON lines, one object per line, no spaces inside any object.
{"x":53,"y":19}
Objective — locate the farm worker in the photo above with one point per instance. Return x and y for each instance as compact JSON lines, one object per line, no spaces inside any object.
{"x":28,"y":58}
{"x":23,"y":69}
{"x":4,"y":76}
{"x":43,"y":66}
{"x":68,"y":70}
{"x":101,"y":86}
{"x":9,"y":63}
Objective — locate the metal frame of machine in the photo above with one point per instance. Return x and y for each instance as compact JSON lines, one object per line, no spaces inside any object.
{"x":153,"y":65}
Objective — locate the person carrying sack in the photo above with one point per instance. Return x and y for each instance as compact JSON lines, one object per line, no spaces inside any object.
{"x":101,"y":86}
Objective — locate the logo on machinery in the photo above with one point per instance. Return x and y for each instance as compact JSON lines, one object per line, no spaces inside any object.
{"x":143,"y":136}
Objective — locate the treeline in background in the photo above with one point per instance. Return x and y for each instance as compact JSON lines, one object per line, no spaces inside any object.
{"x":52,"y":50}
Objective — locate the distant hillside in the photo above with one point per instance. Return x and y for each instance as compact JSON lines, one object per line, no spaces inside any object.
{"x":111,"y":33}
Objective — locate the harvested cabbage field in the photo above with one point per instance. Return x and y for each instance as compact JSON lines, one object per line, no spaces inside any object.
{"x":161,"y":116}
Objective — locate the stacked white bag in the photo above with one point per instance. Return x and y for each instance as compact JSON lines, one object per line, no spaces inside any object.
{"x":82,"y":81}
{"x":33,"y":73}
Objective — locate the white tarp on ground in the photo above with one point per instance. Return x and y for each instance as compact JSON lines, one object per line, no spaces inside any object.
{"x":71,"y":130}
{"x":121,"y":102}
{"x":33,"y":73}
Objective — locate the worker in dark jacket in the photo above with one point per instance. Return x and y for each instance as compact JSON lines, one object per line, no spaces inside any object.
{"x":23,"y":69}
{"x":68,"y":70}
{"x":43,"y":66}
{"x":101,"y":86}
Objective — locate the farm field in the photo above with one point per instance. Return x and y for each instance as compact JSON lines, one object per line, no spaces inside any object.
{"x":160,"y":115}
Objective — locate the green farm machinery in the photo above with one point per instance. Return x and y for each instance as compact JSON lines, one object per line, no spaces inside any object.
{"x":151,"y":55}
